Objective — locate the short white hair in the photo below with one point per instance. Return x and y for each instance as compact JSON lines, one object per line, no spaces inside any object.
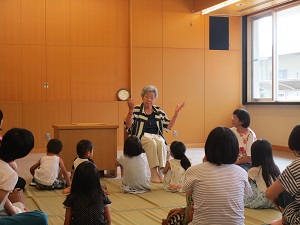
{"x":149,"y":88}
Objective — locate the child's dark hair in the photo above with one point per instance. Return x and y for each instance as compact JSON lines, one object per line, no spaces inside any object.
{"x":16,"y":143}
{"x":221,"y":146}
{"x":243,"y":116}
{"x":83,"y":147}
{"x":261,"y":155}
{"x":54,"y":146}
{"x":294,"y":139}
{"x":133,"y":146}
{"x":86,"y":181}
{"x":178,"y":151}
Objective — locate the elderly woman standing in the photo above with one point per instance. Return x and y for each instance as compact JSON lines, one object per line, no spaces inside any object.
{"x":147,"y":121}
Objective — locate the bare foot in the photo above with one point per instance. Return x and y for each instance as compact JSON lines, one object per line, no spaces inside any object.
{"x":38,"y":187}
{"x":154,"y":175}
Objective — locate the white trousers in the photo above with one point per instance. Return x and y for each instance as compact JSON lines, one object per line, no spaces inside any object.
{"x":155,"y":149}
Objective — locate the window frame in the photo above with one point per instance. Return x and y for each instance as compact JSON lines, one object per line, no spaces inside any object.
{"x":246,"y":68}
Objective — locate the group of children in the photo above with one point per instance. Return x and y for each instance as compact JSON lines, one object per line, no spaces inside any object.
{"x":87,"y":201}
{"x":134,"y":168}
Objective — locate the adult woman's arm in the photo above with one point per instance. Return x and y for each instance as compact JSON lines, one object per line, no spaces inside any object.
{"x":273,"y":191}
{"x":68,"y":216}
{"x":130,"y":104}
{"x":107,"y":215}
{"x":177,"y":110}
{"x":245,"y":159}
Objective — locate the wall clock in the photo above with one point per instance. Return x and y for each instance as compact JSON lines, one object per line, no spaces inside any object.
{"x":123,"y":94}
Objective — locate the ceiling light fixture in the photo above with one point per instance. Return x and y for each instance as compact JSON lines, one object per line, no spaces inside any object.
{"x":218,"y":6}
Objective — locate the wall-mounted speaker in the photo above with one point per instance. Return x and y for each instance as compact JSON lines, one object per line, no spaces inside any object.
{"x":218,"y":33}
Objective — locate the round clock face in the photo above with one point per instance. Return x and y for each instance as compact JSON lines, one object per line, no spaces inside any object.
{"x":123,"y":94}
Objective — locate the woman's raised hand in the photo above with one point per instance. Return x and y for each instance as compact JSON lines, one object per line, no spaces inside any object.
{"x":130,"y":104}
{"x":179,"y":107}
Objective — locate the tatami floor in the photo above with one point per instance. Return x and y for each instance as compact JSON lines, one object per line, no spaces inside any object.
{"x":132,"y":209}
{"x":282,"y":159}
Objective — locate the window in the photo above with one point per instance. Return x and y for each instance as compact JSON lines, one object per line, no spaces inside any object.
{"x":271,"y":57}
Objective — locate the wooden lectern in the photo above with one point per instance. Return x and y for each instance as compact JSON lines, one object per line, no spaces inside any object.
{"x":104,"y":138}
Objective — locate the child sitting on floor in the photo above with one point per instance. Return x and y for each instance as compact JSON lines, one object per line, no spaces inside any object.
{"x":261,"y":175}
{"x":84,"y":151}
{"x":135,"y":177}
{"x":48,"y":170}
{"x":175,"y":168}
{"x":87,"y":203}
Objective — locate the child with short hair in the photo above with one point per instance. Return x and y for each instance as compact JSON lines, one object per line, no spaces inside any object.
{"x":16,"y":143}
{"x":21,"y":181}
{"x":135,"y":177}
{"x":261,"y":175}
{"x":175,"y":168}
{"x":84,"y":151}
{"x":87,"y":203}
{"x":47,"y":171}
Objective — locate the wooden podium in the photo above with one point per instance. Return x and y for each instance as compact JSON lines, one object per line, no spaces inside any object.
{"x":104,"y":138}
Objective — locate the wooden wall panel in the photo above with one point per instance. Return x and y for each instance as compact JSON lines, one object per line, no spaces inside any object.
{"x":266,"y":120}
{"x":33,"y":21}
{"x":93,"y":23}
{"x":10,"y":73}
{"x":181,"y":28}
{"x":123,"y":68}
{"x":146,"y":23}
{"x":33,"y":73}
{"x":123,"y":23}
{"x":39,"y":117}
{"x":222,"y":87}
{"x":123,"y":110}
{"x":10,"y":22}
{"x":183,"y":81}
{"x":146,"y":69}
{"x":58,"y":73}
{"x":235,"y":34}
{"x":93,"y":72}
{"x":12,"y":116}
{"x":58,"y":22}
{"x":95,"y":112}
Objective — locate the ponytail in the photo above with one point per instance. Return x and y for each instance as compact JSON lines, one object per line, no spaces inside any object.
{"x":185,"y":162}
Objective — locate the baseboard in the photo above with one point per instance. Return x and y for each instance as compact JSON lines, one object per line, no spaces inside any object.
{"x":193,"y":145}
{"x":38,"y":150}
{"x":281,"y":148}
